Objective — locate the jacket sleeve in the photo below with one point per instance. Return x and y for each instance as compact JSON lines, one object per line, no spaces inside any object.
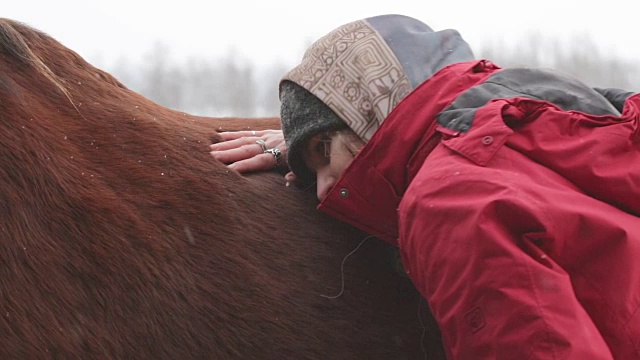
{"x":616,"y":97}
{"x":474,"y":248}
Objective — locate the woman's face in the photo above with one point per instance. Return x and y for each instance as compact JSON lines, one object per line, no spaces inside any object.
{"x":328,"y":155}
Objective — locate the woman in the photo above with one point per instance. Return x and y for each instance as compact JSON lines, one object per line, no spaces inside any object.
{"x":512,"y":194}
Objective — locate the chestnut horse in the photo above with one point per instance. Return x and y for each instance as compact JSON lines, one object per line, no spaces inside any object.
{"x":120,"y":236}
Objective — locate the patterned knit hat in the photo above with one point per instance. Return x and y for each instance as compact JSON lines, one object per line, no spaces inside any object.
{"x":357,"y":74}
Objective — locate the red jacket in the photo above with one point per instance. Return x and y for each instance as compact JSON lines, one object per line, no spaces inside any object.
{"x":523,"y":233}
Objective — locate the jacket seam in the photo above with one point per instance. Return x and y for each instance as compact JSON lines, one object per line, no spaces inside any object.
{"x":542,"y":317}
{"x":626,"y":325}
{"x":611,"y":312}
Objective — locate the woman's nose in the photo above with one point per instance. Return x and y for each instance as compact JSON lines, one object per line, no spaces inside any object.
{"x":324,"y":184}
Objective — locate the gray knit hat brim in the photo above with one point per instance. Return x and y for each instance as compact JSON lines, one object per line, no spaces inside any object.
{"x":303,"y":116}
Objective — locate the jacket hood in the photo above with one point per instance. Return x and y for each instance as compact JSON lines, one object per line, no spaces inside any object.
{"x":362,"y":70}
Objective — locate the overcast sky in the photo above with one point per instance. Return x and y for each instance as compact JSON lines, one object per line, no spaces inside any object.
{"x":270,"y":30}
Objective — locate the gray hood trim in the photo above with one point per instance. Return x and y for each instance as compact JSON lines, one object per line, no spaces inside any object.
{"x":420,"y":50}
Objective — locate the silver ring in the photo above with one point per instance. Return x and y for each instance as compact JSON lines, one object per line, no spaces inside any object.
{"x":263,"y":145}
{"x":253,"y":132}
{"x":277,"y":154}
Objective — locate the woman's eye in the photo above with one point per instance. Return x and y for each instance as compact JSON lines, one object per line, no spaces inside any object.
{"x":327,"y":148}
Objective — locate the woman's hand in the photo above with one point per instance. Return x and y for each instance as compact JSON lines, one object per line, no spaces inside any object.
{"x":246,"y":151}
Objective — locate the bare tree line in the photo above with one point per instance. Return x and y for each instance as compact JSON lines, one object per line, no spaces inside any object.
{"x":579,"y":56}
{"x":233,"y":86}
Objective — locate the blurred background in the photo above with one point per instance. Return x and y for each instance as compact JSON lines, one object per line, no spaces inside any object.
{"x":225,"y":58}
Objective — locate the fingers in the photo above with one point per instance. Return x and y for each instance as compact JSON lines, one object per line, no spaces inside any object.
{"x":244,"y":152}
{"x":256,"y":163}
{"x":291,"y":178}
{"x":240,"y":151}
{"x":232,"y":135}
{"x":236,"y":143}
{"x":234,"y":139}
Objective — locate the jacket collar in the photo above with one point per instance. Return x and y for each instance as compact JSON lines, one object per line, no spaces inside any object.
{"x":368,"y":194}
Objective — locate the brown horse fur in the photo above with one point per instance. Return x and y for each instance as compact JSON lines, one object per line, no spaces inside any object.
{"x":120,"y":236}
